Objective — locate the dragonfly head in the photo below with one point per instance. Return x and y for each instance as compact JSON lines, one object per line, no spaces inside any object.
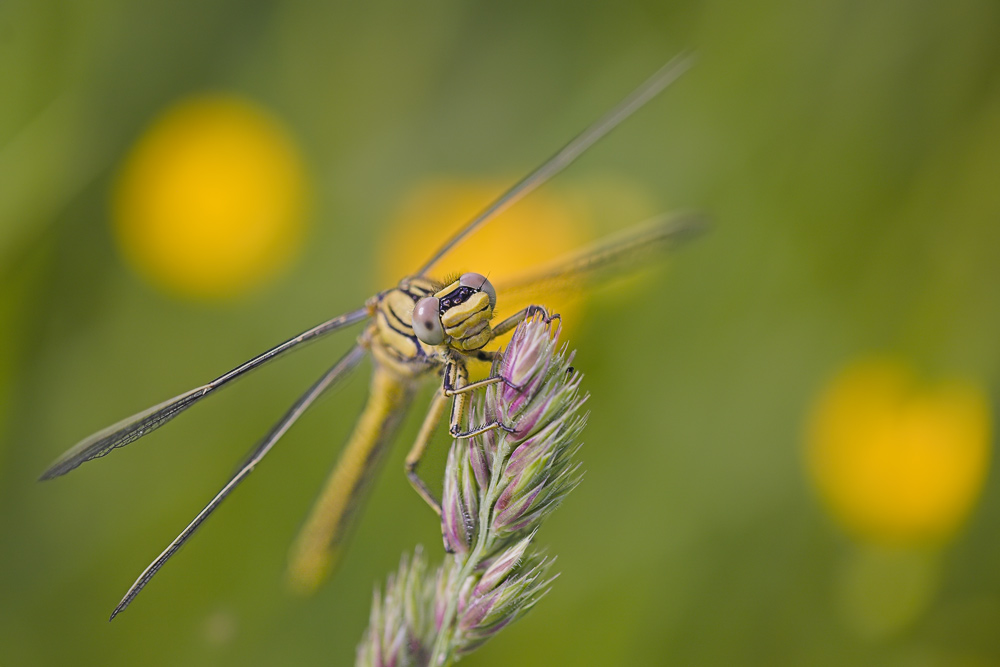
{"x":458,"y":315}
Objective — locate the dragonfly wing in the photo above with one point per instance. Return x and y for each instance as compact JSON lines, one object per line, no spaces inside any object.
{"x":348,"y":362}
{"x":571,"y":151}
{"x":320,"y":542}
{"x":618,"y":255}
{"x":132,"y":428}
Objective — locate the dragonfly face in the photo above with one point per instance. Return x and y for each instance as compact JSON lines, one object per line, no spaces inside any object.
{"x":458,"y":315}
{"x":419,"y":323}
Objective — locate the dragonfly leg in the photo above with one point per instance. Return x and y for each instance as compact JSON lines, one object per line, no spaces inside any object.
{"x":455,"y":387}
{"x":494,"y":355}
{"x":511,"y":322}
{"x":478,"y":430}
{"x":456,"y":383}
{"x":416,"y":452}
{"x":472,"y":386}
{"x":506,"y":325}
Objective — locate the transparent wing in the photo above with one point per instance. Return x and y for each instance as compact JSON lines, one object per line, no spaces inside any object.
{"x":571,"y":151}
{"x":617,"y":255}
{"x":348,"y":362}
{"x":132,"y":428}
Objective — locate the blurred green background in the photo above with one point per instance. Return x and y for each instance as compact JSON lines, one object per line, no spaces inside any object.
{"x":847,"y":152}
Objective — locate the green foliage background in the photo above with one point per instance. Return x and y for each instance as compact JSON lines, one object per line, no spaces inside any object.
{"x":848,"y":153}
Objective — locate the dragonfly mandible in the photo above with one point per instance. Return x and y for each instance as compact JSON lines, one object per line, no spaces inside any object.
{"x":417,"y":330}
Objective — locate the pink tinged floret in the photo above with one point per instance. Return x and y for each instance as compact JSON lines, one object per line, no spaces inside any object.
{"x":470,"y":498}
{"x":475,"y":612}
{"x":490,"y":444}
{"x":536,"y":468}
{"x":514,"y":400}
{"x":501,"y":624}
{"x":453,"y":517}
{"x":517,"y":486}
{"x":516,"y":509}
{"x":480,"y":465}
{"x":534,"y":448}
{"x":489,"y":441}
{"x":526,"y":423}
{"x":524,"y":373}
{"x":513,"y":593}
{"x":526,"y":360}
{"x":546,"y":412}
{"x":507,"y":496}
{"x":455,"y":535}
{"x":520,"y":353}
{"x":501,"y":567}
{"x":440,"y":599}
{"x":528,"y":520}
{"x":523,"y":451}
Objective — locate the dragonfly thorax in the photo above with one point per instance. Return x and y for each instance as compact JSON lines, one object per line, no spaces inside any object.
{"x":458,"y":315}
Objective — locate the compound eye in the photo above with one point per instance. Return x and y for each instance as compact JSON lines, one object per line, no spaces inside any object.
{"x":478,"y":281}
{"x":427,"y":321}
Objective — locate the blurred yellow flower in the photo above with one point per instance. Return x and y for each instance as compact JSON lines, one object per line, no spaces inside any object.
{"x":541,"y":228}
{"x":211,"y":199}
{"x":899,"y":462}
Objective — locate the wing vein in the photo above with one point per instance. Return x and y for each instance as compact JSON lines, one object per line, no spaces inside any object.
{"x":348,"y":362}
{"x":571,"y":151}
{"x":620,"y":254}
{"x":132,"y":428}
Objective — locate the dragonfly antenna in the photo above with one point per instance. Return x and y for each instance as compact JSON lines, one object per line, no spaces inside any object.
{"x":571,"y":151}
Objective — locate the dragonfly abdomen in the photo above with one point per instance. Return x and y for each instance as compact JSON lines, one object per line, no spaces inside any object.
{"x":317,"y":549}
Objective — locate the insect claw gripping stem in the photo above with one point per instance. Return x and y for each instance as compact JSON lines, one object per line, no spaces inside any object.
{"x":540,"y":310}
{"x":515,"y":387}
{"x":526,"y":314}
{"x":465,"y":435}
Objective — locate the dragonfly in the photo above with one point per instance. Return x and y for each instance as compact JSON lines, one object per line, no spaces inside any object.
{"x":419,"y":329}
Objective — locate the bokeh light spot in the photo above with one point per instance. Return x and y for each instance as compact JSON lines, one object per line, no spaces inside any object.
{"x":211,"y":199}
{"x":896,"y":461}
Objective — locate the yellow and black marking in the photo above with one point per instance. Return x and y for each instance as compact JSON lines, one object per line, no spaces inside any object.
{"x":465,"y":315}
{"x":392,"y":336}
